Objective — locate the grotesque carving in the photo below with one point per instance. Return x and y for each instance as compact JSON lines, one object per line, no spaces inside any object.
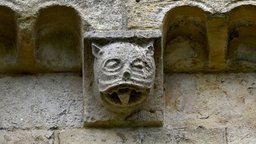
{"x":124,"y":74}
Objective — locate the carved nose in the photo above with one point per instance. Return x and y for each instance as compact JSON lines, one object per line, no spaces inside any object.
{"x":126,"y":75}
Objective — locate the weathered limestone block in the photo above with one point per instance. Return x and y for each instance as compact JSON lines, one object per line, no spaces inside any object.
{"x":217,"y":33}
{"x":43,"y":101}
{"x":143,"y":136}
{"x":124,"y":85}
{"x":210,"y":100}
{"x":26,"y":137}
{"x":239,"y":135}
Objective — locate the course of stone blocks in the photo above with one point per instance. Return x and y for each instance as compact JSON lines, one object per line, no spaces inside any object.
{"x":90,"y":71}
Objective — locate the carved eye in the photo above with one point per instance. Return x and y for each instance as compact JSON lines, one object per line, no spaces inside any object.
{"x":112,"y":64}
{"x":138,"y":64}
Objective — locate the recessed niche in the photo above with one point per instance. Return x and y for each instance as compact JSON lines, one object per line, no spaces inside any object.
{"x":242,"y":38}
{"x":58,"y":39}
{"x":185,"y":40}
{"x":8,"y":33}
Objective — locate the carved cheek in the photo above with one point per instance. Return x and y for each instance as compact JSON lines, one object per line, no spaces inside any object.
{"x":143,"y":68}
{"x":150,"y":66}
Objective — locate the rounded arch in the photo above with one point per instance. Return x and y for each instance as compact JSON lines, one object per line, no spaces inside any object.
{"x":185,"y":39}
{"x":184,"y":11}
{"x":243,"y":12}
{"x":242,"y":35}
{"x":59,"y":38}
{"x":238,"y":4}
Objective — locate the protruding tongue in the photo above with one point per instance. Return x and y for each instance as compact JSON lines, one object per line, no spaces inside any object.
{"x":124,"y":98}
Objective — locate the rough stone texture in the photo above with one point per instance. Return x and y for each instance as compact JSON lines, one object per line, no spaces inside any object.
{"x":41,"y":101}
{"x":101,"y":15}
{"x":149,"y":14}
{"x":146,"y":34}
{"x":143,"y":136}
{"x":151,"y":111}
{"x":26,"y":137}
{"x":124,"y":73}
{"x":55,"y":101}
{"x":210,"y":100}
{"x":241,"y":136}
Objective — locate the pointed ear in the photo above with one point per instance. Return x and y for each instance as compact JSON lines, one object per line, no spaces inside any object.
{"x":150,"y":48}
{"x":96,"y":50}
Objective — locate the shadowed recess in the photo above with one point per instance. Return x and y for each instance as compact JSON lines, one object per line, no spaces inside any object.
{"x":185,"y":40}
{"x":59,"y":39}
{"x":8,"y":33}
{"x":242,"y":36}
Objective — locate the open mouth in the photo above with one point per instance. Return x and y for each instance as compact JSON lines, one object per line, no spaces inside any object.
{"x":125,"y":95}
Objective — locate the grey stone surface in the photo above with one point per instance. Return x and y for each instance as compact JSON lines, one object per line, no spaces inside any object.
{"x":123,"y":34}
{"x":210,"y":100}
{"x":26,"y":137}
{"x":142,"y":136}
{"x":41,"y":101}
{"x":238,"y":135}
{"x":201,"y":136}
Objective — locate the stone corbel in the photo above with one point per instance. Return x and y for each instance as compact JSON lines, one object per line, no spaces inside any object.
{"x":123,"y":83}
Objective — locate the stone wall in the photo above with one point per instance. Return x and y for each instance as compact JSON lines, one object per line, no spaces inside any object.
{"x":204,"y":90}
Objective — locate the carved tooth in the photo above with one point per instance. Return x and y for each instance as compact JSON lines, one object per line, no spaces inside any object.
{"x":124,"y":98}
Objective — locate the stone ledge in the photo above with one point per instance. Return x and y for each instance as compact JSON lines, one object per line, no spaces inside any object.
{"x":147,"y":34}
{"x":142,"y":136}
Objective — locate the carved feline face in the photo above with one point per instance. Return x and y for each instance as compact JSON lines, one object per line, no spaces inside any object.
{"x":124,"y":73}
